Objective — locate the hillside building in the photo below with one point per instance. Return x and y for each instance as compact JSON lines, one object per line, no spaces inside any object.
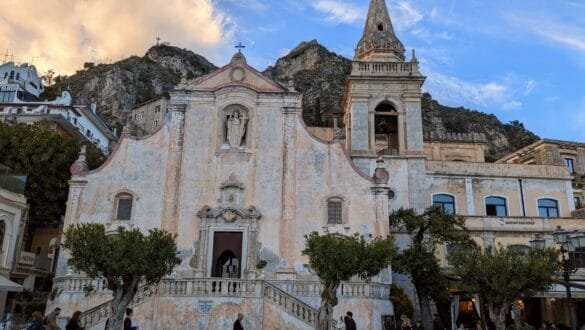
{"x":20,"y":88}
{"x":147,"y":117}
{"x":238,"y":177}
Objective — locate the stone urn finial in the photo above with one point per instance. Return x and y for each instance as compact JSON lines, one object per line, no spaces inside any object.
{"x":79,"y":167}
{"x":381,"y":176}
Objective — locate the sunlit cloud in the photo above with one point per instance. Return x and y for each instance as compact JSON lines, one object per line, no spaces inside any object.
{"x":63,"y":34}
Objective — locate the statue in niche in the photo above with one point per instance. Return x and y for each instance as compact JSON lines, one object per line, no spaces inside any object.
{"x":236,"y":128}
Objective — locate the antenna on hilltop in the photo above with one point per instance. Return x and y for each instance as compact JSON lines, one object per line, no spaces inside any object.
{"x":157,"y":41}
{"x":6,"y":56}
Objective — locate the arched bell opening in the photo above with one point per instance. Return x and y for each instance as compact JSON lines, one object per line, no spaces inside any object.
{"x":386,"y":129}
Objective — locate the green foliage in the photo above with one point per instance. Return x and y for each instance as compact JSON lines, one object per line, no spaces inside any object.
{"x":418,"y":260}
{"x":121,"y":257}
{"x":402,"y":305}
{"x":336,"y":258}
{"x":502,"y":275}
{"x":44,"y":156}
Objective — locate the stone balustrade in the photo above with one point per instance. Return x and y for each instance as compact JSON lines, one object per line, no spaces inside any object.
{"x":384,"y":68}
{"x":281,"y":293}
{"x":290,"y":304}
{"x":346,"y":289}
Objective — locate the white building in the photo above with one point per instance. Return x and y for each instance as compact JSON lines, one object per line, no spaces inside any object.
{"x":19,"y":101}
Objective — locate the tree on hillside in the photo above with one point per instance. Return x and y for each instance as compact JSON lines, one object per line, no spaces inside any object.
{"x":124,"y":259}
{"x":427,"y":231}
{"x":44,"y":156}
{"x":501,"y":276}
{"x":335,"y":258}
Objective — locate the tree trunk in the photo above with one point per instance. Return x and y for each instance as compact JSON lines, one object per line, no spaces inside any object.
{"x":498,"y":315}
{"x":123,"y":295}
{"x":328,"y":301}
{"x":425,"y":312}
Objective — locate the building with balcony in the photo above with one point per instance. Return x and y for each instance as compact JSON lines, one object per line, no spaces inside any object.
{"x":237,"y":176}
{"x":20,"y":102}
{"x":13,"y":210}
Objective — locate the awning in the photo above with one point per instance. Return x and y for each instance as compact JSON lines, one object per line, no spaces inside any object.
{"x":8,"y":285}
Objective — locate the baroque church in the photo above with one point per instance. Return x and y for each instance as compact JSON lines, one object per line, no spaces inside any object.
{"x":238,"y":177}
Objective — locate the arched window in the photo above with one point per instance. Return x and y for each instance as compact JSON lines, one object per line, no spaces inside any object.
{"x":445,"y":202}
{"x":386,"y":129}
{"x":124,"y":206}
{"x":496,"y":206}
{"x":11,"y":75}
{"x":334,"y":211}
{"x":548,"y":208}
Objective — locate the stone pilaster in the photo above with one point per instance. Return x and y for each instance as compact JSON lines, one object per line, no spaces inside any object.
{"x":173,"y":169}
{"x":288,"y":201}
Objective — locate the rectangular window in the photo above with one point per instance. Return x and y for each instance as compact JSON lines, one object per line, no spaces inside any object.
{"x":577,"y":202}
{"x":141,"y":114}
{"x":155,"y":123}
{"x":124,"y":209}
{"x":157,"y":109}
{"x":334,"y":212}
{"x":569,"y":163}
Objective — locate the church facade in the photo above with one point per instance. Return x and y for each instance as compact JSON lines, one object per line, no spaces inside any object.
{"x":237,"y":176}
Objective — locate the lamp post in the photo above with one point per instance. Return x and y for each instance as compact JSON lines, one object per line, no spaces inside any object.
{"x":568,"y":267}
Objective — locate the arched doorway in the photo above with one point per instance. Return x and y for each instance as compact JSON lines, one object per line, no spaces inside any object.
{"x":386,"y":129}
{"x":227,"y":254}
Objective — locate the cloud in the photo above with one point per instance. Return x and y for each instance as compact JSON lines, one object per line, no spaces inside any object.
{"x":402,"y":13}
{"x":561,"y":33}
{"x":339,"y":11}
{"x":63,"y":34}
{"x":504,"y":94}
{"x":254,"y":5}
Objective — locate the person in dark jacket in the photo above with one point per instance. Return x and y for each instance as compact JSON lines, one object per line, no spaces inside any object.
{"x":437,"y":324}
{"x":73,"y":323}
{"x":128,"y":323}
{"x":238,"y":324}
{"x":349,"y":322}
{"x":37,"y":323}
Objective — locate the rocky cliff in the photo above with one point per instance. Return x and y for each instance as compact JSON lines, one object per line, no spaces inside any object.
{"x":320,"y":75}
{"x":117,"y":88}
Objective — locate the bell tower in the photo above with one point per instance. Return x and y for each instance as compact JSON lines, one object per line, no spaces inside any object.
{"x":383,"y":95}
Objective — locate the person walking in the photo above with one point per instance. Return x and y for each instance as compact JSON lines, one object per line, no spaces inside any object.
{"x":74,"y":322}
{"x":238,"y":324}
{"x":51,"y":321}
{"x":37,"y":323}
{"x":437,"y":323}
{"x":349,"y":322}
{"x":129,"y":324}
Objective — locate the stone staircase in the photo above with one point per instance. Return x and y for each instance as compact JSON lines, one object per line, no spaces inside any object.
{"x":290,"y":304}
{"x":299,"y":299}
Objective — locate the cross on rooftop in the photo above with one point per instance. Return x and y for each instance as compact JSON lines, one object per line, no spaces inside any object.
{"x":240,"y":46}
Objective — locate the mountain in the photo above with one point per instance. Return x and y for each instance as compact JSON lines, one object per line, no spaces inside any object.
{"x":117,"y":88}
{"x":318,"y":74}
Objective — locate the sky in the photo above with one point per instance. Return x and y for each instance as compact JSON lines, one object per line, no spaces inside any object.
{"x":520,"y":60}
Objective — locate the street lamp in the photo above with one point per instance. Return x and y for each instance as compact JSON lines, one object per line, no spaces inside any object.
{"x":568,"y":267}
{"x":538,"y":241}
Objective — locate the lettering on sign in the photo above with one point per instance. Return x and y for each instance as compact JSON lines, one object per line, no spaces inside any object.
{"x":9,"y":88}
{"x":27,"y":258}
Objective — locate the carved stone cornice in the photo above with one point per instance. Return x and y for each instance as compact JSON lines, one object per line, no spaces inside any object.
{"x":229,"y":213}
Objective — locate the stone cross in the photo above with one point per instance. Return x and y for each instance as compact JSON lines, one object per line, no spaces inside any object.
{"x":240,"y":46}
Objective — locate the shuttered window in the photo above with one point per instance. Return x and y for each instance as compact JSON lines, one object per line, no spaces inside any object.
{"x":124,"y":208}
{"x":334,"y":211}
